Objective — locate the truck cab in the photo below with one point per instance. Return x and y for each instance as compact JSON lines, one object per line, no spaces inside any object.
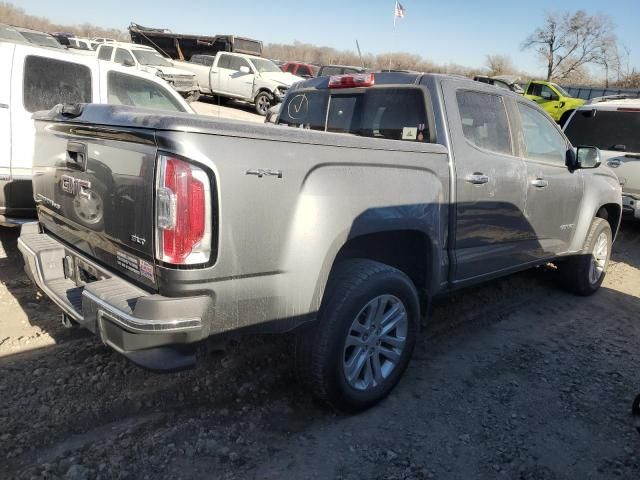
{"x":36,"y":78}
{"x":553,"y":99}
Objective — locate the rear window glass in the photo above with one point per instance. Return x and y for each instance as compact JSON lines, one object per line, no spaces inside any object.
{"x":48,"y":82}
{"x":388,"y":113}
{"x":484,"y":121}
{"x":605,"y":129}
{"x":134,"y":91}
{"x":326,"y":71}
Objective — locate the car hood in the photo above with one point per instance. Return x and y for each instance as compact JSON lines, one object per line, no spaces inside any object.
{"x":165,"y":70}
{"x":283,"y":78}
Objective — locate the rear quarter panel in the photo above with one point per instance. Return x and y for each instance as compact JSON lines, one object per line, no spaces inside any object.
{"x":280,"y":236}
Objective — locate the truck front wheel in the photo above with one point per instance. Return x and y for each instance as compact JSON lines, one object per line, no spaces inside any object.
{"x":364,"y":336}
{"x":264,"y":101}
{"x":583,"y":274}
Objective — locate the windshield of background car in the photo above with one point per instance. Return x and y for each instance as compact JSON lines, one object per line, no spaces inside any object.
{"x":389,"y":113}
{"x":265,"y":66}
{"x":560,"y":90}
{"x":605,"y":129}
{"x":41,"y":39}
{"x":147,"y":57}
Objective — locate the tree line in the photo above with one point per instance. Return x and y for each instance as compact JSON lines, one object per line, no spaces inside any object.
{"x":570,"y":45}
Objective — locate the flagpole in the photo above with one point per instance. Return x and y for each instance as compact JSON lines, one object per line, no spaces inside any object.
{"x":395,"y":10}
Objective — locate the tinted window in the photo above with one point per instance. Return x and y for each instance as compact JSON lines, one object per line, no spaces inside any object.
{"x":327,"y":71}
{"x":484,"y":121}
{"x":605,"y":129}
{"x":105,"y":53}
{"x":237,"y":62}
{"x":224,"y":61}
{"x":122,"y":55}
{"x":395,"y":114}
{"x":48,"y":82}
{"x":542,"y":140}
{"x":129,"y":90}
{"x":303,"y":70}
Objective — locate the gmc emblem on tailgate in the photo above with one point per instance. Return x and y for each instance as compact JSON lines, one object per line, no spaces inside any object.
{"x":75,"y":186}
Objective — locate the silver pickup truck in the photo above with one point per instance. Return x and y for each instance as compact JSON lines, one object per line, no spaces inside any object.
{"x":373,"y":194}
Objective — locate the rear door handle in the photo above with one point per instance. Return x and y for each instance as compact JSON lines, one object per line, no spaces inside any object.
{"x":539,"y":183}
{"x":477,"y":178}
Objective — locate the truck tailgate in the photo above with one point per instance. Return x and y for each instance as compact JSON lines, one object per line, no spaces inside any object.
{"x":94,"y":189}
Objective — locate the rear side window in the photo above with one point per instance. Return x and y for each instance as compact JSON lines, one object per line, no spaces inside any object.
{"x":105,"y":53}
{"x":134,"y":91}
{"x":48,"y":82}
{"x":606,"y":129}
{"x":328,"y":71}
{"x":224,"y":61}
{"x":484,"y":121}
{"x":388,"y":113}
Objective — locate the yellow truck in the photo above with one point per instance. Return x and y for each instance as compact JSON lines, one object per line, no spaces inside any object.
{"x":553,"y":99}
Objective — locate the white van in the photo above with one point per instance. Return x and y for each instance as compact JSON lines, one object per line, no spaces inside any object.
{"x":35,"y":78}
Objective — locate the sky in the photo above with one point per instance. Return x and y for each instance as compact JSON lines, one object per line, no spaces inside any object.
{"x":453,"y":31}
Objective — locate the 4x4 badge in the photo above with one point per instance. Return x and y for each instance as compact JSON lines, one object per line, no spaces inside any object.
{"x":260,"y":172}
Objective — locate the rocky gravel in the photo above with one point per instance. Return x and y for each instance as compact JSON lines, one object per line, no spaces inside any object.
{"x":515,"y":380}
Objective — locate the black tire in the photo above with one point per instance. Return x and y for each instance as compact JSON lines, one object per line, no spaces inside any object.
{"x":575,"y":271}
{"x":263,"y":102}
{"x":321,"y":349}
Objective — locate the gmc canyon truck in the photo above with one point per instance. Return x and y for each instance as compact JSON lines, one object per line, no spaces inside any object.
{"x":373,"y":194}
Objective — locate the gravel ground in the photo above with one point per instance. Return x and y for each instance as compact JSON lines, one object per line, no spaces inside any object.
{"x":514,"y":380}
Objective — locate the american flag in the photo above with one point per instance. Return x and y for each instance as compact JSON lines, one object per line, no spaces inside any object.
{"x":399,"y":12}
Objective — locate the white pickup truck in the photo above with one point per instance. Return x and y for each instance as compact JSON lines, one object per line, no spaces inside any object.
{"x":36,"y":78}
{"x":244,"y":77}
{"x":146,"y":59}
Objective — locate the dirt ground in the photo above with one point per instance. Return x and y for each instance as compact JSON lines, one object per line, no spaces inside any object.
{"x":226,"y":109}
{"x":515,"y":379}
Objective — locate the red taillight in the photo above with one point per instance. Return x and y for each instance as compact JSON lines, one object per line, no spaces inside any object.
{"x":182,"y":209}
{"x":352,"y":80}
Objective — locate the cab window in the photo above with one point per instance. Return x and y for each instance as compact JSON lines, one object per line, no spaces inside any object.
{"x":122,"y":56}
{"x":542,"y":140}
{"x":105,"y":53}
{"x":134,"y":91}
{"x":386,"y":113}
{"x":484,"y":121}
{"x":224,"y":61}
{"x":48,"y":82}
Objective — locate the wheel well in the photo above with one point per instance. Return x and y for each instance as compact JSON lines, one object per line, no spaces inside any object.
{"x":263,"y":89}
{"x":611,"y":213}
{"x":406,"y":250}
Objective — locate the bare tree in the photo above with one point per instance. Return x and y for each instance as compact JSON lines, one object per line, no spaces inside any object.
{"x":569,"y":41}
{"x":608,"y":58}
{"x":499,"y":65}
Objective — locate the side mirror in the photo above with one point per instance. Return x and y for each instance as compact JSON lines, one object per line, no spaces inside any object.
{"x":128,"y":63}
{"x":244,"y":69}
{"x":587,"y":157}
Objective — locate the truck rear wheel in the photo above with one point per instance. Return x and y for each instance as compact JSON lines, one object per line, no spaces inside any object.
{"x":264,"y":101}
{"x":364,"y":336}
{"x":583,"y":274}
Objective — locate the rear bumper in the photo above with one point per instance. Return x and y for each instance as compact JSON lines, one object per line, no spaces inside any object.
{"x":155,"y":332}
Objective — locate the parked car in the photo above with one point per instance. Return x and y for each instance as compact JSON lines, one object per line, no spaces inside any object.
{"x":19,"y":34}
{"x":243,"y":77}
{"x":304,"y":70}
{"x":553,"y":99}
{"x":103,"y":40}
{"x":343,"y":227}
{"x":35,"y":78}
{"x":501,"y":81}
{"x":613,"y":125}
{"x":148,"y":60}
{"x":328,"y":70}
